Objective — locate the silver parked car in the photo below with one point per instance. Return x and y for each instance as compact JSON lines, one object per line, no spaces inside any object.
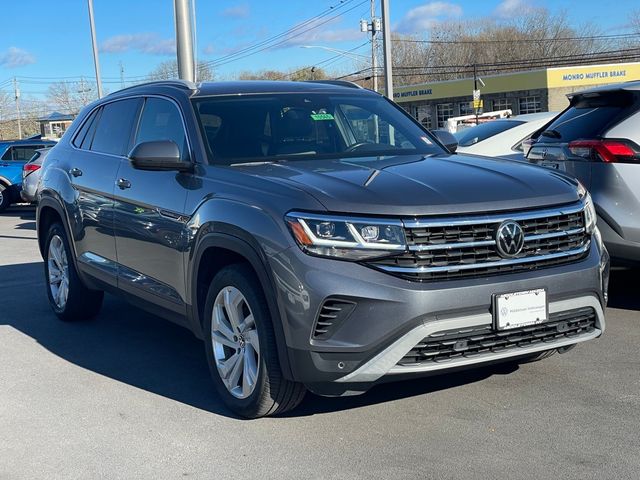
{"x":597,"y":140}
{"x":31,"y":175}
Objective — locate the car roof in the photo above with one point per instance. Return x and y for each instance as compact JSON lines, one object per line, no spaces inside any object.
{"x":629,"y":86}
{"x":245,"y":87}
{"x":530,"y":117}
{"x":27,"y":141}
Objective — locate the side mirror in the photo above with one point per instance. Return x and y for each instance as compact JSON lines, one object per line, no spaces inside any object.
{"x":158,"y":155}
{"x":447,"y":139}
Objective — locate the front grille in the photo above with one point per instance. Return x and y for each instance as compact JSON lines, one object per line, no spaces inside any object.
{"x":449,"y":345}
{"x":466,"y":246}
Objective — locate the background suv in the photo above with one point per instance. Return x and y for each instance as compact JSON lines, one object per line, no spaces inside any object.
{"x":14,"y":154}
{"x":315,"y":236}
{"x":597,"y":140}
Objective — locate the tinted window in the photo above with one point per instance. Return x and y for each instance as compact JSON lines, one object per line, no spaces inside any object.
{"x":473,"y":135}
{"x":161,"y":120}
{"x":21,"y":152}
{"x":82,"y":136}
{"x":303,"y":125}
{"x":114,"y":128}
{"x":587,"y":118}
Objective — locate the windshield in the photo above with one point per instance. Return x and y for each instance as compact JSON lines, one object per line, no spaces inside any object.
{"x":473,"y":135}
{"x":272,"y":127}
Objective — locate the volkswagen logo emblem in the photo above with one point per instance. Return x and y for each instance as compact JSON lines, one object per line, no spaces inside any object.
{"x":509,"y":239}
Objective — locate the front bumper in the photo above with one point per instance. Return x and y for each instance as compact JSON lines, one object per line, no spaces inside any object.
{"x":392,"y":315}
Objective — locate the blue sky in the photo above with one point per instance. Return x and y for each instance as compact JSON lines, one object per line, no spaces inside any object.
{"x":51,"y":39}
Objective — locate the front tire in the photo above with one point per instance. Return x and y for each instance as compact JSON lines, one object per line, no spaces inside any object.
{"x":5,"y":197}
{"x":241,"y":348}
{"x":68,"y":296}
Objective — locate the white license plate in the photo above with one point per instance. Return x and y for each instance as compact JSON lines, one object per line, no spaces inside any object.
{"x":519,"y":309}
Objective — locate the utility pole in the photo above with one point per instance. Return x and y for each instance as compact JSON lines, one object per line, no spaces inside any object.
{"x":96,"y":61}
{"x":374,"y":57}
{"x":475,"y":89}
{"x":386,"y":39}
{"x":184,"y":40}
{"x":16,"y":91}
{"x":121,"y":75}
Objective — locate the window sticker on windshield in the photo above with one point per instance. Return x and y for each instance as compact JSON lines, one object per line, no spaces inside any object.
{"x":426,"y":140}
{"x":322,"y":116}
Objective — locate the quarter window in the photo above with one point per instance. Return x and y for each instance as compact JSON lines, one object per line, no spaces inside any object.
{"x":113,"y":131}
{"x":161,"y":120}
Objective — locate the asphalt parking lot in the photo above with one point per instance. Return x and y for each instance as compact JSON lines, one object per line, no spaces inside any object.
{"x":128,"y":396}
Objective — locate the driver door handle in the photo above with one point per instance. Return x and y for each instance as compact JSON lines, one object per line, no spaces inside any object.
{"x":76,"y":172}
{"x":123,"y":183}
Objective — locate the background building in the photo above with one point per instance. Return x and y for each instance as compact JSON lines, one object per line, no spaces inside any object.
{"x":532,"y":91}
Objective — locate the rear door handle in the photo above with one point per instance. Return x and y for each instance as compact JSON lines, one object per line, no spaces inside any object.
{"x":123,"y":183}
{"x":76,"y":172}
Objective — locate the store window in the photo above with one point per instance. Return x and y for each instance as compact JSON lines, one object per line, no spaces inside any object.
{"x":502,"y":104}
{"x":466,"y":108}
{"x":530,"y":105}
{"x":423,"y":115}
{"x":444,"y":111}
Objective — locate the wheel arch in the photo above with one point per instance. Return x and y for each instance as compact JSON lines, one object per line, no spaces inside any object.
{"x":217,"y":250}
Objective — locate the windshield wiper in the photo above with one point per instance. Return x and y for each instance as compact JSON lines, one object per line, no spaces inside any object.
{"x":551,"y":133}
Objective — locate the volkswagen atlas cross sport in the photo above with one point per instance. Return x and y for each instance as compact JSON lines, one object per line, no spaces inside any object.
{"x":315,"y":236}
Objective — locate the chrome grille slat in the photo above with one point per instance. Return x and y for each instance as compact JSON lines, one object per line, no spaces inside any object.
{"x":466,"y":246}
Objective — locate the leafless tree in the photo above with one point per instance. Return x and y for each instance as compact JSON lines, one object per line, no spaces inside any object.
{"x":169,"y":69}
{"x":71,"y":97}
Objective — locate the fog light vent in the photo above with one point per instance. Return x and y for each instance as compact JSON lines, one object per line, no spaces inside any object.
{"x":333,"y":313}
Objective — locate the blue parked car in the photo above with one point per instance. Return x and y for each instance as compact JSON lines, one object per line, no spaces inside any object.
{"x":13,"y":155}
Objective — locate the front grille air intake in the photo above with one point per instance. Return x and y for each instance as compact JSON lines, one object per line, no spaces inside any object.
{"x":459,"y":247}
{"x":457,"y":344}
{"x":332,"y":314}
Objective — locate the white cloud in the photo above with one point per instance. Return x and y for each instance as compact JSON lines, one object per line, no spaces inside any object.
{"x":424,"y":16}
{"x":512,"y":8}
{"x":238,"y":11}
{"x":16,"y":57}
{"x":150,"y":43}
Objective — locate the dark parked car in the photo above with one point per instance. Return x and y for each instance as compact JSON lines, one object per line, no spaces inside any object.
{"x":315,"y":236}
{"x":13,"y":155}
{"x":597,"y":140}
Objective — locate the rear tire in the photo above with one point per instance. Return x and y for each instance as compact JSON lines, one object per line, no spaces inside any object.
{"x":241,"y":347}
{"x":69,"y":298}
{"x":5,"y":197}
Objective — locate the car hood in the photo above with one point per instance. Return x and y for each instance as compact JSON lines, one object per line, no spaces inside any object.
{"x":420,"y":185}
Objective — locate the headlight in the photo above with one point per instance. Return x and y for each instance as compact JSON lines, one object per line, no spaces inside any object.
{"x":590,"y":216}
{"x":345,"y":237}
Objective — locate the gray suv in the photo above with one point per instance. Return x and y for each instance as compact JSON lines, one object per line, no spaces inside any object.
{"x":315,"y":236}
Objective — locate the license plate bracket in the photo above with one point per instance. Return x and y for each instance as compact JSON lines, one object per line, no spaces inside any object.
{"x":520,"y":309}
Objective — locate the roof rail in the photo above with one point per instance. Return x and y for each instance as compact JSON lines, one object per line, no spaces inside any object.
{"x":340,"y":83}
{"x":185,"y":84}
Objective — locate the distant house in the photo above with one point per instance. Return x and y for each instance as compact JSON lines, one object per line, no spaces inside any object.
{"x":53,"y":126}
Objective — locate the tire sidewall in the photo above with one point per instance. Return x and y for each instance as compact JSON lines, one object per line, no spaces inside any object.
{"x":6,"y":197}
{"x":249,"y":286}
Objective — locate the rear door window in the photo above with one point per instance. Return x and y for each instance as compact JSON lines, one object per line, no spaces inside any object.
{"x":114,"y":130}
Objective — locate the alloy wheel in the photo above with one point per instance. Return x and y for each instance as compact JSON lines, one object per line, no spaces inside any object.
{"x":58,"y":271}
{"x":236,"y":347}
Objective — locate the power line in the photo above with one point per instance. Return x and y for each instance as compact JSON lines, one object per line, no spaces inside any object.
{"x":521,"y":40}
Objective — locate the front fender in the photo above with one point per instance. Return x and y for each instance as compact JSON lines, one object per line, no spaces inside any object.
{"x":247,"y":231}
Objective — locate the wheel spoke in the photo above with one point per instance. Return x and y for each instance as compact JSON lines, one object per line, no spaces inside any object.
{"x":221,"y":338}
{"x":247,"y":323}
{"x":236,"y":372}
{"x":249,"y":373}
{"x":232,"y":301}
{"x":251,"y":337}
{"x":226,"y":366}
{"x":220,"y":323}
